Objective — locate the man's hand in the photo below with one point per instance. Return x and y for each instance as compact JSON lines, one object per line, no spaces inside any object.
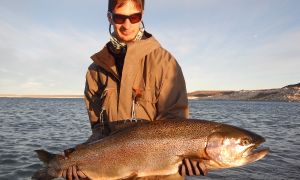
{"x":191,"y":167}
{"x":73,"y":173}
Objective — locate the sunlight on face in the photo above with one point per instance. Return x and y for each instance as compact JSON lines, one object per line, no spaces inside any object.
{"x":127,"y":31}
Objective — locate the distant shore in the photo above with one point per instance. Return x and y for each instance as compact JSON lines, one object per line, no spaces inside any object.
{"x":290,"y":93}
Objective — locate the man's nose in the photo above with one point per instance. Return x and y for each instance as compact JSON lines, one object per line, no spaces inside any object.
{"x":127,"y":23}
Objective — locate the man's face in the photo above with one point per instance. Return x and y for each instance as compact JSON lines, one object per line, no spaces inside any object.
{"x":126,"y":31}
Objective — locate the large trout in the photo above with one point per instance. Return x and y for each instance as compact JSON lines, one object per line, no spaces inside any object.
{"x":158,"y":148}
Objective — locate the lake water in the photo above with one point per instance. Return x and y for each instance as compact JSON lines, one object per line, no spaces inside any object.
{"x":57,"y":124}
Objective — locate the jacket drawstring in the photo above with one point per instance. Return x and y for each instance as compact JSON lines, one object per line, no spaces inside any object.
{"x":135,"y":95}
{"x":133,"y":110}
{"x":101,"y":120}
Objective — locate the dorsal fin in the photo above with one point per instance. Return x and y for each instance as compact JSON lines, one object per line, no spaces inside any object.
{"x":44,"y":156}
{"x":69,"y":151}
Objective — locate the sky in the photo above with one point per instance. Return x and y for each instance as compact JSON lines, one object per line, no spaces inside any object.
{"x":45,"y":46}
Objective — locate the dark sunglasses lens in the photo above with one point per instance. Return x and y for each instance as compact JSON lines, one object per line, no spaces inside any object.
{"x":119,"y":19}
{"x":135,"y":18}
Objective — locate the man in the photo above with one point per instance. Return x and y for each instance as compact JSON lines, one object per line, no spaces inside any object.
{"x":133,"y":77}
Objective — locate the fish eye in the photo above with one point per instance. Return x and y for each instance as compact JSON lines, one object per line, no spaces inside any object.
{"x":245,"y":142}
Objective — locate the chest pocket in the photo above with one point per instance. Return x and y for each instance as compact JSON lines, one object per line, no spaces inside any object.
{"x":146,"y":82}
{"x":109,"y":103}
{"x":146,"y":105}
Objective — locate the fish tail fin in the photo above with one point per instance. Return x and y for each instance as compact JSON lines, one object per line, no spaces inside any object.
{"x":44,"y":156}
{"x":42,"y":174}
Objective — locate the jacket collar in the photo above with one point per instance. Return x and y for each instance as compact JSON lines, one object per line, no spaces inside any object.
{"x":135,"y":52}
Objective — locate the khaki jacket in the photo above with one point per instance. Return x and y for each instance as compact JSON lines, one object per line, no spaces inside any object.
{"x":152,"y":82}
{"x":151,"y":79}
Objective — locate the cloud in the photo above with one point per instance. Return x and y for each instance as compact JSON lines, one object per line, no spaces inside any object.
{"x":270,"y":64}
{"x":32,"y":85}
{"x":44,"y":60}
{"x":244,"y":60}
{"x":245,"y":46}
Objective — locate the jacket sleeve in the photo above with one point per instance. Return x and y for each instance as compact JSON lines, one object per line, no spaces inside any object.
{"x":172,"y":100}
{"x":92,"y":94}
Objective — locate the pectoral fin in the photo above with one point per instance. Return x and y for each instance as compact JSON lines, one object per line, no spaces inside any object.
{"x":130,"y":177}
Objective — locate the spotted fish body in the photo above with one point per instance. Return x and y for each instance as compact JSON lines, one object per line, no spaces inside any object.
{"x":158,"y":148}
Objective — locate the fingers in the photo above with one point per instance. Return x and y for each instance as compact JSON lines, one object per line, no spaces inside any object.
{"x":81,"y":175}
{"x":196,"y":168}
{"x":202,"y":168}
{"x":70,"y":174}
{"x":192,"y":168}
{"x":182,"y":170}
{"x":188,"y":166}
{"x":74,"y":172}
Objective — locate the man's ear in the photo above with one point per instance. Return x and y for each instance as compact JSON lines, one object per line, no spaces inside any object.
{"x":109,"y":17}
{"x":142,"y":15}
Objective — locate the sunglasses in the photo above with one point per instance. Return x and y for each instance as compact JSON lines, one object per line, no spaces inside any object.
{"x":120,"y":18}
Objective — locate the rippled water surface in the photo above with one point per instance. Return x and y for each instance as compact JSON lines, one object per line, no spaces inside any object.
{"x":56,"y":124}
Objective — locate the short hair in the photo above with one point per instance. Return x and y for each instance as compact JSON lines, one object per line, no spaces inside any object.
{"x":112,"y":4}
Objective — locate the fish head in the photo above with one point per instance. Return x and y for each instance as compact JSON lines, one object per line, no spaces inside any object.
{"x":230,"y":146}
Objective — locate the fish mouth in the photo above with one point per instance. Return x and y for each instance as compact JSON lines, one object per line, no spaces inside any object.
{"x":254,"y":153}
